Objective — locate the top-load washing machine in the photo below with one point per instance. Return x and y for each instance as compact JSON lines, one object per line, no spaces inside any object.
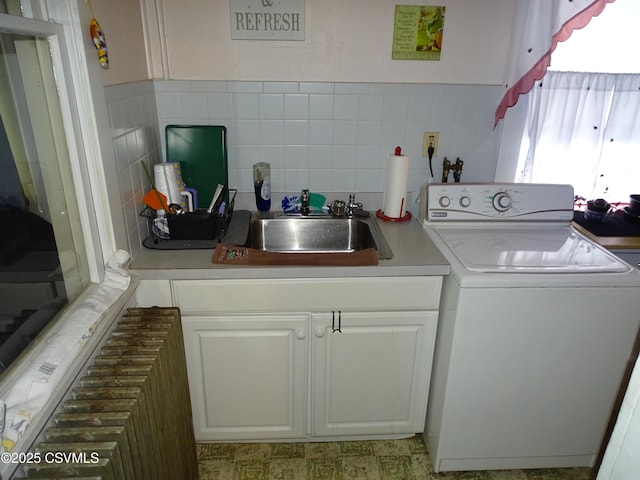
{"x":535,"y":330}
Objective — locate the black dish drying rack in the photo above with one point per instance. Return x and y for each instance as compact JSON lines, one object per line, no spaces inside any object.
{"x":190,"y":230}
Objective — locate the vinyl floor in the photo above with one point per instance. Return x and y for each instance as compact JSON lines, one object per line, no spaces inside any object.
{"x":405,"y":459}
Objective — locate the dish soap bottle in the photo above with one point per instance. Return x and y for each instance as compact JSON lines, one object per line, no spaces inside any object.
{"x":262,"y":185}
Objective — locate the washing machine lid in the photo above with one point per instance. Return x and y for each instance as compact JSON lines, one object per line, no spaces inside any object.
{"x":525,"y":249}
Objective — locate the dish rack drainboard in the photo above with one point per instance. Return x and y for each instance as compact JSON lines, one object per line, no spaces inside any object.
{"x":132,"y":408}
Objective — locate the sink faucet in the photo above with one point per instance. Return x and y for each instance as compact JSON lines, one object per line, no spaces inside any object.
{"x":457,"y":170}
{"x":305,"y":200}
{"x":353,"y":207}
{"x":446,"y":166}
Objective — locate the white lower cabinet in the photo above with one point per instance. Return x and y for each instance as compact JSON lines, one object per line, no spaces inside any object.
{"x":247,"y":375}
{"x":264,"y":369}
{"x":371,"y":376}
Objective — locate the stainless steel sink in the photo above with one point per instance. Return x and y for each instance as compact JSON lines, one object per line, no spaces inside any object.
{"x":316,"y":234}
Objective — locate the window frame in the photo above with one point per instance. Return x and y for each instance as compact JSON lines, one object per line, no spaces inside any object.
{"x":84,"y":113}
{"x":98,"y":235}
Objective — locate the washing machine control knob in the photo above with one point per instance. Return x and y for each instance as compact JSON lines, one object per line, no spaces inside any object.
{"x":465,"y":201}
{"x":444,"y":201}
{"x":502,"y":201}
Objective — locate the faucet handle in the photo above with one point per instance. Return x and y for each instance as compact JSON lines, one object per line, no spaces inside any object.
{"x":446,"y":166}
{"x":338,"y":208}
{"x":305,"y":200}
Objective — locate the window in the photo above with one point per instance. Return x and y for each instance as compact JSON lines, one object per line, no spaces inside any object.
{"x":582,"y":128}
{"x":604,"y":45}
{"x":43,"y":261}
{"x":582,"y":118}
{"x":51,"y":102}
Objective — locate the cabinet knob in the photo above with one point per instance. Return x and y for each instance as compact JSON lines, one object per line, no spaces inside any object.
{"x":300,"y":334}
{"x":319,"y":332}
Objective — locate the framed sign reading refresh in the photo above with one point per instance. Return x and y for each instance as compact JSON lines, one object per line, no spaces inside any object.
{"x":267,"y":19}
{"x":417,"y":32}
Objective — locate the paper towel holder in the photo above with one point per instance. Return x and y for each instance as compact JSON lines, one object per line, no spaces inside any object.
{"x":380,"y":214}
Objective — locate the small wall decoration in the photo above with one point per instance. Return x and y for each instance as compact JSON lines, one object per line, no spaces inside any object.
{"x":98,"y":39}
{"x":417,"y":32}
{"x":267,"y":19}
{"x":100,"y":42}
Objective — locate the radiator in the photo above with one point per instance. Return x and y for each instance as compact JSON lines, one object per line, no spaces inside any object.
{"x":129,"y":417}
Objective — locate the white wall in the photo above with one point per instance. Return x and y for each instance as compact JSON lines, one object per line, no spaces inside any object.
{"x":346,"y":40}
{"x":122,"y":25}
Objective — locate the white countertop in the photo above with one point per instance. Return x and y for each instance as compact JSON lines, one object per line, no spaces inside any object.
{"x":414,"y":254}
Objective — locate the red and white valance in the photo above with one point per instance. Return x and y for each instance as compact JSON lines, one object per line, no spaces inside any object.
{"x":537,"y":29}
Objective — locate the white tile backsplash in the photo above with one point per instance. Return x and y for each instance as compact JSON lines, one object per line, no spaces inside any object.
{"x":248,"y":133}
{"x":215,"y":86}
{"x":320,"y":157}
{"x":330,"y":137}
{"x":353,"y":88}
{"x":319,"y":87}
{"x":220,"y":106}
{"x":345,"y":107}
{"x":321,"y":132}
{"x":370,"y":107}
{"x":280,"y":87}
{"x":265,"y":120}
{"x":345,"y":157}
{"x":369,"y":132}
{"x":296,"y":107}
{"x":395,"y":107}
{"x":321,"y":107}
{"x":133,"y":111}
{"x":195,"y":104}
{"x":296,"y":132}
{"x":271,"y":107}
{"x":272,"y":132}
{"x":345,"y":132}
{"x":420,"y":109}
{"x":247,"y":106}
{"x":296,"y":157}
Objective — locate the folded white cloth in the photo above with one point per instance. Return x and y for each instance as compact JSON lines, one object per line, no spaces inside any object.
{"x":115,"y":274}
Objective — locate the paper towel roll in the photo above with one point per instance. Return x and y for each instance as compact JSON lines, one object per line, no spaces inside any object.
{"x":395,"y":191}
{"x":168,"y":178}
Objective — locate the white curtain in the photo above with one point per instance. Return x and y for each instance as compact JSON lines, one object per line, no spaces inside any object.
{"x":584,"y":129}
{"x":538,"y":26}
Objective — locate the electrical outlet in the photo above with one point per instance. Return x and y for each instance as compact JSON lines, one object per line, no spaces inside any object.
{"x":430,"y":139}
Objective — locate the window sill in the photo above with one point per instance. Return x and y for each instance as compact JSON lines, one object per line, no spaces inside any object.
{"x":96,"y":298}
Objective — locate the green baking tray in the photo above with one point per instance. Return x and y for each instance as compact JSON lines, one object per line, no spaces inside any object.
{"x":202,"y":153}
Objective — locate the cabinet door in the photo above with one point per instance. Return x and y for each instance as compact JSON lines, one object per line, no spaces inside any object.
{"x":371,"y":377}
{"x":247,"y":375}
